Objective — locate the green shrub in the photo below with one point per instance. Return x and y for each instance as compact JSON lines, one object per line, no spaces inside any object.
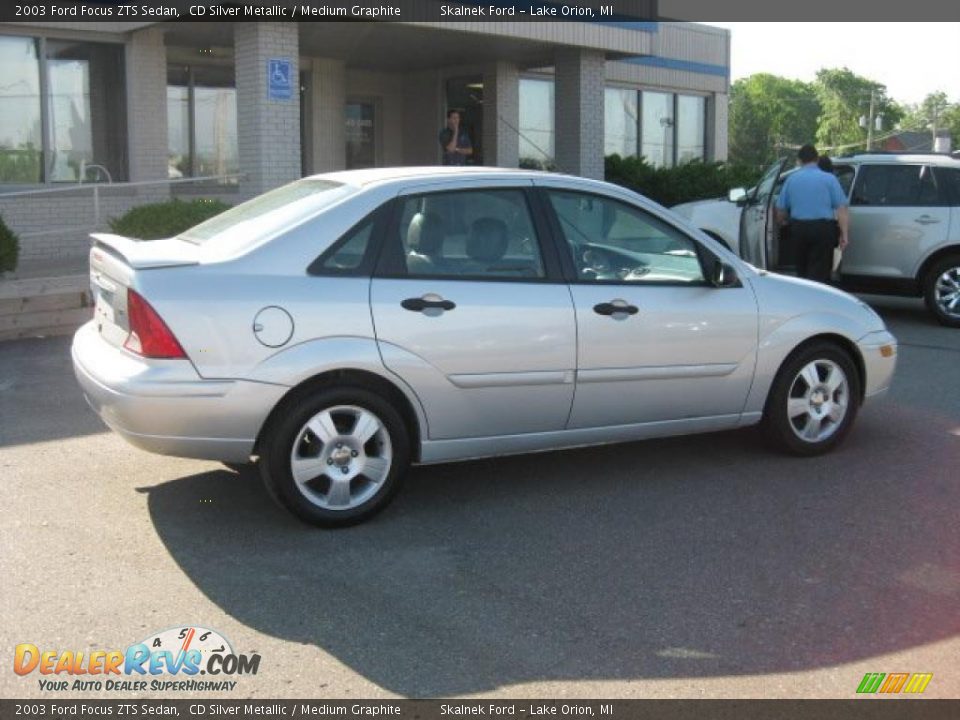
{"x":9,"y":248}
{"x":683,"y":183}
{"x":166,"y":219}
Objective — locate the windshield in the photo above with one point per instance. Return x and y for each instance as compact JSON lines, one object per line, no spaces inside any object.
{"x":263,"y":216}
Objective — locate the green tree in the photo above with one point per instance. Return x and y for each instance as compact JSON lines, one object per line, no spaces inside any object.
{"x":769,"y":113}
{"x":845,"y":99}
{"x":921,"y":116}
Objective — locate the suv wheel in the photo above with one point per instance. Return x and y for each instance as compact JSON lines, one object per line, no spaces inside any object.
{"x":813,"y":401}
{"x":941,"y":290}
{"x":336,"y":457}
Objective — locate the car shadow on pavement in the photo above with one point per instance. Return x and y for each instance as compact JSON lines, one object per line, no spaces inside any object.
{"x":689,"y":557}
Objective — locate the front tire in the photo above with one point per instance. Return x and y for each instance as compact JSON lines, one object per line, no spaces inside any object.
{"x":813,"y":401}
{"x":335,"y":457}
{"x":941,"y":291}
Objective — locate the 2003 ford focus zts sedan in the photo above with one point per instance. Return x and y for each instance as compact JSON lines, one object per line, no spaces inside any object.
{"x":345,"y":325}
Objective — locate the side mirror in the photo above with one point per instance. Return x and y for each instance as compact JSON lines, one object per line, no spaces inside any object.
{"x":737,"y":195}
{"x":723,"y":275}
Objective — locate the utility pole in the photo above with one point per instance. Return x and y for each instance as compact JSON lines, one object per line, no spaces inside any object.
{"x":870,"y":119}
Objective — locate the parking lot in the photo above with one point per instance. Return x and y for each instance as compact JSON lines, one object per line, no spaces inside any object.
{"x":689,"y":567}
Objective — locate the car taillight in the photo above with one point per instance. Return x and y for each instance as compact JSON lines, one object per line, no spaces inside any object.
{"x":149,"y":334}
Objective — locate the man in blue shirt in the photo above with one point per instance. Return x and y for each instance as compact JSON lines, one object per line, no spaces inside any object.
{"x":454,"y":141}
{"x":815,"y":204}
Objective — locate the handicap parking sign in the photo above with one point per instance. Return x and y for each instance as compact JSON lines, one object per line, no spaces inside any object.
{"x":279,"y":79}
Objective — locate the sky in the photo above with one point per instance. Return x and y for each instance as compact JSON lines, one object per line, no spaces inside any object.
{"x":911,"y":59}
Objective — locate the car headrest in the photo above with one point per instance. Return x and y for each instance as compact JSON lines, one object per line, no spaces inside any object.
{"x":426,"y":233}
{"x":488,"y":240}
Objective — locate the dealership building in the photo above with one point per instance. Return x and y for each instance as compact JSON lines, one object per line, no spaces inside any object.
{"x":97,"y":117}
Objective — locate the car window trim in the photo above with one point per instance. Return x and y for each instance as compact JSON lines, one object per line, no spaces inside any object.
{"x":391,"y":264}
{"x":566,"y":256}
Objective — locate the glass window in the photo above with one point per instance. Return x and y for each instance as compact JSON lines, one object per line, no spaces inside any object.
{"x":202,"y":122}
{"x":87,"y":115}
{"x":348,"y":253}
{"x":361,"y":126}
{"x":951,"y":179}
{"x":614,"y":242}
{"x":77,"y":131}
{"x":21,"y":142}
{"x":249,"y":223}
{"x":896,"y":186}
{"x":476,"y":233}
{"x":537,"y":134}
{"x":620,"y":122}
{"x":657,"y":128}
{"x":691,"y":128}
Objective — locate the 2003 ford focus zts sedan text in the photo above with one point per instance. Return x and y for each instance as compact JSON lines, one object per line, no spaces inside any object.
{"x":345,"y":325}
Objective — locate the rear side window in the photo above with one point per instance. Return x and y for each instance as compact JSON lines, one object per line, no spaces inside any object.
{"x":950,"y":178}
{"x":352,"y":253}
{"x":481,"y":234}
{"x":897,"y":186}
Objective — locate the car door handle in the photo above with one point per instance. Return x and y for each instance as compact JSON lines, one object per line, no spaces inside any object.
{"x":926,"y":220}
{"x":421,"y":304}
{"x":617,"y":306}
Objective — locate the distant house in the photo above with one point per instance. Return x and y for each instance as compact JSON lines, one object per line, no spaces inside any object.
{"x":908,"y":141}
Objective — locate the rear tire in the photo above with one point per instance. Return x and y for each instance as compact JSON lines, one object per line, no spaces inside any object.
{"x":335,"y":457}
{"x":813,"y":401}
{"x":941,"y":290}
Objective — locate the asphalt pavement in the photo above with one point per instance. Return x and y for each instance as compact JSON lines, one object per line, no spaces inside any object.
{"x":691,"y":567}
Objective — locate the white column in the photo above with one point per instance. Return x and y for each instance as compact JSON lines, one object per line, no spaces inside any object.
{"x":268,"y":127}
{"x":146,"y":88}
{"x":501,"y":115}
{"x":578,"y":109}
{"x":328,"y":96}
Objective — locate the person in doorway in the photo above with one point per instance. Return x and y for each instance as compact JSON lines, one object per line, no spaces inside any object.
{"x":813,"y":202}
{"x":455,"y":141}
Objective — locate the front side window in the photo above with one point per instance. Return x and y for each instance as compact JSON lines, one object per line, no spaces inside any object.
{"x":481,"y":234}
{"x":611,"y":241}
{"x":896,"y":186}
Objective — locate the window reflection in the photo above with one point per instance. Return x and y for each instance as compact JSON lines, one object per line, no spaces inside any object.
{"x":620,"y":122}
{"x":201,"y":122}
{"x":537,"y":133}
{"x":657,"y":128}
{"x":691,"y":128}
{"x":20,"y":126}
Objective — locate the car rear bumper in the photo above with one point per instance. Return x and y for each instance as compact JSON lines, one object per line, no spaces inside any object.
{"x":164,"y":406}
{"x":879,"y":352}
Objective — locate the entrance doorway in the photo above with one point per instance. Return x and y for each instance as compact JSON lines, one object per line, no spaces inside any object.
{"x":466,"y":95}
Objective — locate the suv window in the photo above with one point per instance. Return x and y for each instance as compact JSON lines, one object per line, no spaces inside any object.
{"x":469,"y":233}
{"x":896,"y":186}
{"x":612,"y":241}
{"x":950,"y":178}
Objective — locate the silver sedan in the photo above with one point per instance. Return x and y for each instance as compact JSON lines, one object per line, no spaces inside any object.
{"x":339,"y":328}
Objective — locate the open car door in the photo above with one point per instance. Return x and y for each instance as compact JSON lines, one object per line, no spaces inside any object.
{"x":757,"y":227}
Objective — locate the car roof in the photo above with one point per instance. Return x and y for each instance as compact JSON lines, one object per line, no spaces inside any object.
{"x":373,"y":176}
{"x":896,"y":158}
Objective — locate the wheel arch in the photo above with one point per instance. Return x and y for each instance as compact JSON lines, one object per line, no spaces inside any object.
{"x":351,"y":377}
{"x":934,"y":257}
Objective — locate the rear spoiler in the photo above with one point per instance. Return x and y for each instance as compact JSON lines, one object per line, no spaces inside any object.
{"x":143,"y":254}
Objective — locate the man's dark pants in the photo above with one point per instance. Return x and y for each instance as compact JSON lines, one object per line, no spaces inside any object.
{"x":815,"y":241}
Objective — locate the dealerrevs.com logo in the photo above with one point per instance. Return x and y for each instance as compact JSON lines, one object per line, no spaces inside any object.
{"x":169,"y":661}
